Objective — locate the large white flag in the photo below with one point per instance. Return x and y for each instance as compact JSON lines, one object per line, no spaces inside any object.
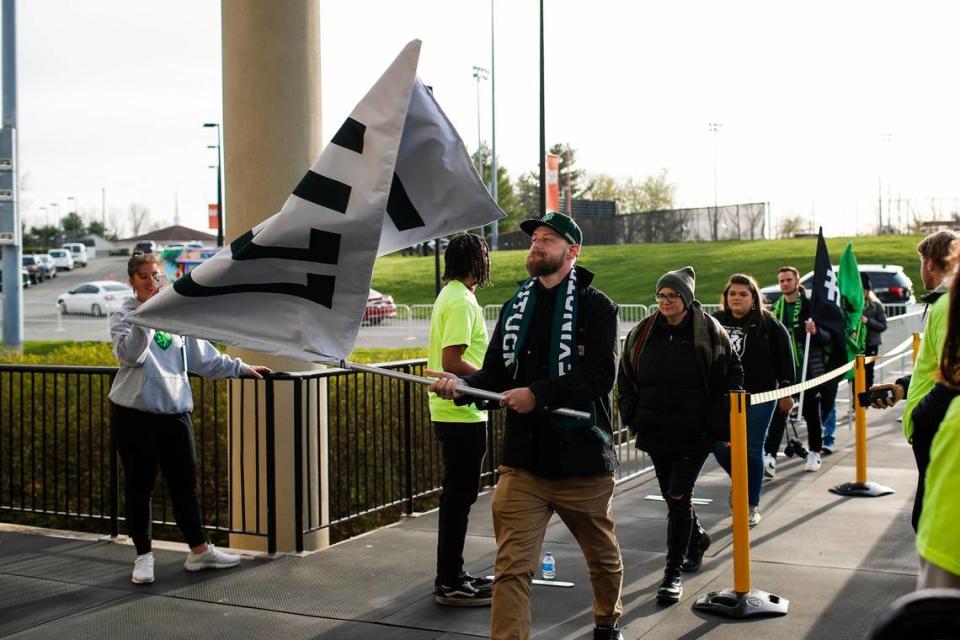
{"x":296,"y":285}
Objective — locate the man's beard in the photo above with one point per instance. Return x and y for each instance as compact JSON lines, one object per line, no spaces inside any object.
{"x":542,"y":265}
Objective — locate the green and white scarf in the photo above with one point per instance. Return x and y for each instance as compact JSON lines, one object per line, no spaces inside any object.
{"x":563,"y":335}
{"x":779,"y":308}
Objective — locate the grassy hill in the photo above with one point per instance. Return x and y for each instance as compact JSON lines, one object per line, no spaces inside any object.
{"x":629,"y":273}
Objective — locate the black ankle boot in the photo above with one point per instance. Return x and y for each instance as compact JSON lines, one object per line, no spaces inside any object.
{"x":671,"y":588}
{"x":607,"y":633}
{"x":699,"y":543}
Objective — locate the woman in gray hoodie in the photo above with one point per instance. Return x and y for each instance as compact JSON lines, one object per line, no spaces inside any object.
{"x":150,"y":405}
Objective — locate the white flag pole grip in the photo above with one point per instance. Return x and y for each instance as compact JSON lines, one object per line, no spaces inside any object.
{"x":480,"y":393}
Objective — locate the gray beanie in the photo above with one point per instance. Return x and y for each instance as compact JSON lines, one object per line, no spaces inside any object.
{"x":683,"y":281}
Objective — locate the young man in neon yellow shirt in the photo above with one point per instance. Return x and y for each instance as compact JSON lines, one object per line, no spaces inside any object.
{"x":458,"y":343}
{"x":927,"y":402}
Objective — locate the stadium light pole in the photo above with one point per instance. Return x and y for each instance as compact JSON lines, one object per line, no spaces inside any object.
{"x":219,"y":169}
{"x":479,"y":73}
{"x":715,"y":130}
{"x":494,"y":230}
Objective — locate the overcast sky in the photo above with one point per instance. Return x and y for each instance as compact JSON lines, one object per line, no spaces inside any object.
{"x":825,"y":106}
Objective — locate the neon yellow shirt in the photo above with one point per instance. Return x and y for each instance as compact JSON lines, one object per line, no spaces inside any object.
{"x":928,"y":360}
{"x":457,"y":319}
{"x":938,"y":533}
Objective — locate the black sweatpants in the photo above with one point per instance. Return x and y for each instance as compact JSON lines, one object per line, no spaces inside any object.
{"x":146,"y":442}
{"x":462,"y":445}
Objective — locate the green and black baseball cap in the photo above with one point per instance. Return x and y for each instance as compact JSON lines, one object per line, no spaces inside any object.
{"x":559,"y":222}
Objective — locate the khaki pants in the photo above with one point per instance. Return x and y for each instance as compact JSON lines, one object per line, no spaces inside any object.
{"x":522,"y":506}
{"x":933,"y":577}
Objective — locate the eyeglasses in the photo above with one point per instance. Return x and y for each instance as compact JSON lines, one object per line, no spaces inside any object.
{"x":667,"y":297}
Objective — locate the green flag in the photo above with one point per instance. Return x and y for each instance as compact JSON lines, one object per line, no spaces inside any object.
{"x":851,"y":293}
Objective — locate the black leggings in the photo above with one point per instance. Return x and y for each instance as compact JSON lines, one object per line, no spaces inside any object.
{"x":145,"y":442}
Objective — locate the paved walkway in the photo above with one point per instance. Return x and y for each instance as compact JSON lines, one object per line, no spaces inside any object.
{"x":839,"y":561}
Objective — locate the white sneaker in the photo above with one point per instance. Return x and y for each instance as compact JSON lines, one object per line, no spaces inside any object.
{"x":769,"y":465}
{"x":212,"y":558}
{"x":143,"y":569}
{"x":813,"y":462}
{"x":754,"y":516}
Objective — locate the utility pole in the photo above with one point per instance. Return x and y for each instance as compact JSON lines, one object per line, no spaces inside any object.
{"x":494,"y":231}
{"x":543,"y":130}
{"x":10,"y":231}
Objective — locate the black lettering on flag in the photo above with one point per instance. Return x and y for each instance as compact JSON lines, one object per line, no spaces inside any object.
{"x":319,"y":289}
{"x":404,"y":215}
{"x":323,"y":191}
{"x":324,"y":249}
{"x":350,"y":135}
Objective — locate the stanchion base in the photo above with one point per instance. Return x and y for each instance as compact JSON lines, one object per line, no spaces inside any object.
{"x":752,"y":604}
{"x":861,"y":489}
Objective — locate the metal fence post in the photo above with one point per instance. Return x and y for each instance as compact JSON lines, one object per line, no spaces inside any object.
{"x":114,"y":479}
{"x":298,"y":478}
{"x":408,"y":442}
{"x":271,"y":470}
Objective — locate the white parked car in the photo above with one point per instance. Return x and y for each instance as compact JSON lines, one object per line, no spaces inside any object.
{"x":62,"y":258}
{"x":79,"y":252}
{"x":94,"y":298}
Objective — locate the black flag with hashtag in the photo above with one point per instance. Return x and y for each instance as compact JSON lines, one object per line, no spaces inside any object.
{"x":825,"y":297}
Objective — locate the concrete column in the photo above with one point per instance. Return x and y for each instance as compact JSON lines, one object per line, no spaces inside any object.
{"x":272,"y":134}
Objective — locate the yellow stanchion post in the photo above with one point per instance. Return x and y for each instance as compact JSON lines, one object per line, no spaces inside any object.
{"x":916,"y":345}
{"x":742,"y":601}
{"x":860,"y":415}
{"x":862,"y":487}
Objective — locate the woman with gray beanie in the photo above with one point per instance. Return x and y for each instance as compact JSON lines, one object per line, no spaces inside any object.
{"x":677,"y":364}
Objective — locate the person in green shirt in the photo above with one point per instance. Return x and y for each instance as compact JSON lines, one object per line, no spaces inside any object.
{"x":458,"y":343}
{"x":938,"y":531}
{"x":926,"y":402}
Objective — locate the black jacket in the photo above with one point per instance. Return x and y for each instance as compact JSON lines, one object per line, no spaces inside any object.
{"x":876,"y":323}
{"x":764,"y":349}
{"x":672,"y":383}
{"x":532,"y":441}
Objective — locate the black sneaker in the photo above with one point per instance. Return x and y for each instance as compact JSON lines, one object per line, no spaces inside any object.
{"x":479,"y":583}
{"x":607,"y":633}
{"x":462,"y":595}
{"x":671,"y":589}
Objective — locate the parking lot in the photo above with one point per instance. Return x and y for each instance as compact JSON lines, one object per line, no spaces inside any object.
{"x":40,"y":318}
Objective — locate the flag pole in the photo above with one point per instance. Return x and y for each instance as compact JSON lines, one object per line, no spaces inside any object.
{"x":480,"y":393}
{"x":803,"y":372}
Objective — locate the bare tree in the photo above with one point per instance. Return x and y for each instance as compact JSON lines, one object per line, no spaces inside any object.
{"x":791,"y":225}
{"x":139,"y":217}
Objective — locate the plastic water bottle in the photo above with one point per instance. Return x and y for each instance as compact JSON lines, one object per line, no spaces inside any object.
{"x":549,"y":566}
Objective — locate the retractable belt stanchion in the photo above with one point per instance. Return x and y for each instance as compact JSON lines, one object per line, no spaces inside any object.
{"x":741,"y":601}
{"x":862,"y":487}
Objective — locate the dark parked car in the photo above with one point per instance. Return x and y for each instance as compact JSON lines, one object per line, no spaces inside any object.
{"x":34,"y":268}
{"x":148,"y":246}
{"x":889,"y":282}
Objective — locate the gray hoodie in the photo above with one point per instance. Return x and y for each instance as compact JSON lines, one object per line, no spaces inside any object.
{"x":154,"y":365}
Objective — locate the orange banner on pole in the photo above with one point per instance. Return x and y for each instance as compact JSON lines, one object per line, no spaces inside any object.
{"x":213,"y":220}
{"x":553,"y":182}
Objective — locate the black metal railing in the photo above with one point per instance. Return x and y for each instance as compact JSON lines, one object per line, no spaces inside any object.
{"x":364,"y":453}
{"x":59,"y":465}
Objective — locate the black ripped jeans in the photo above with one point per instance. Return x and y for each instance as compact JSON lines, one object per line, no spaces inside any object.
{"x":677,"y":476}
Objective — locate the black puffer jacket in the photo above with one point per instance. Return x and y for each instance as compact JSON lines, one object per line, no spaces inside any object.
{"x":672,"y":383}
{"x":876,"y":322}
{"x":532,"y":441}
